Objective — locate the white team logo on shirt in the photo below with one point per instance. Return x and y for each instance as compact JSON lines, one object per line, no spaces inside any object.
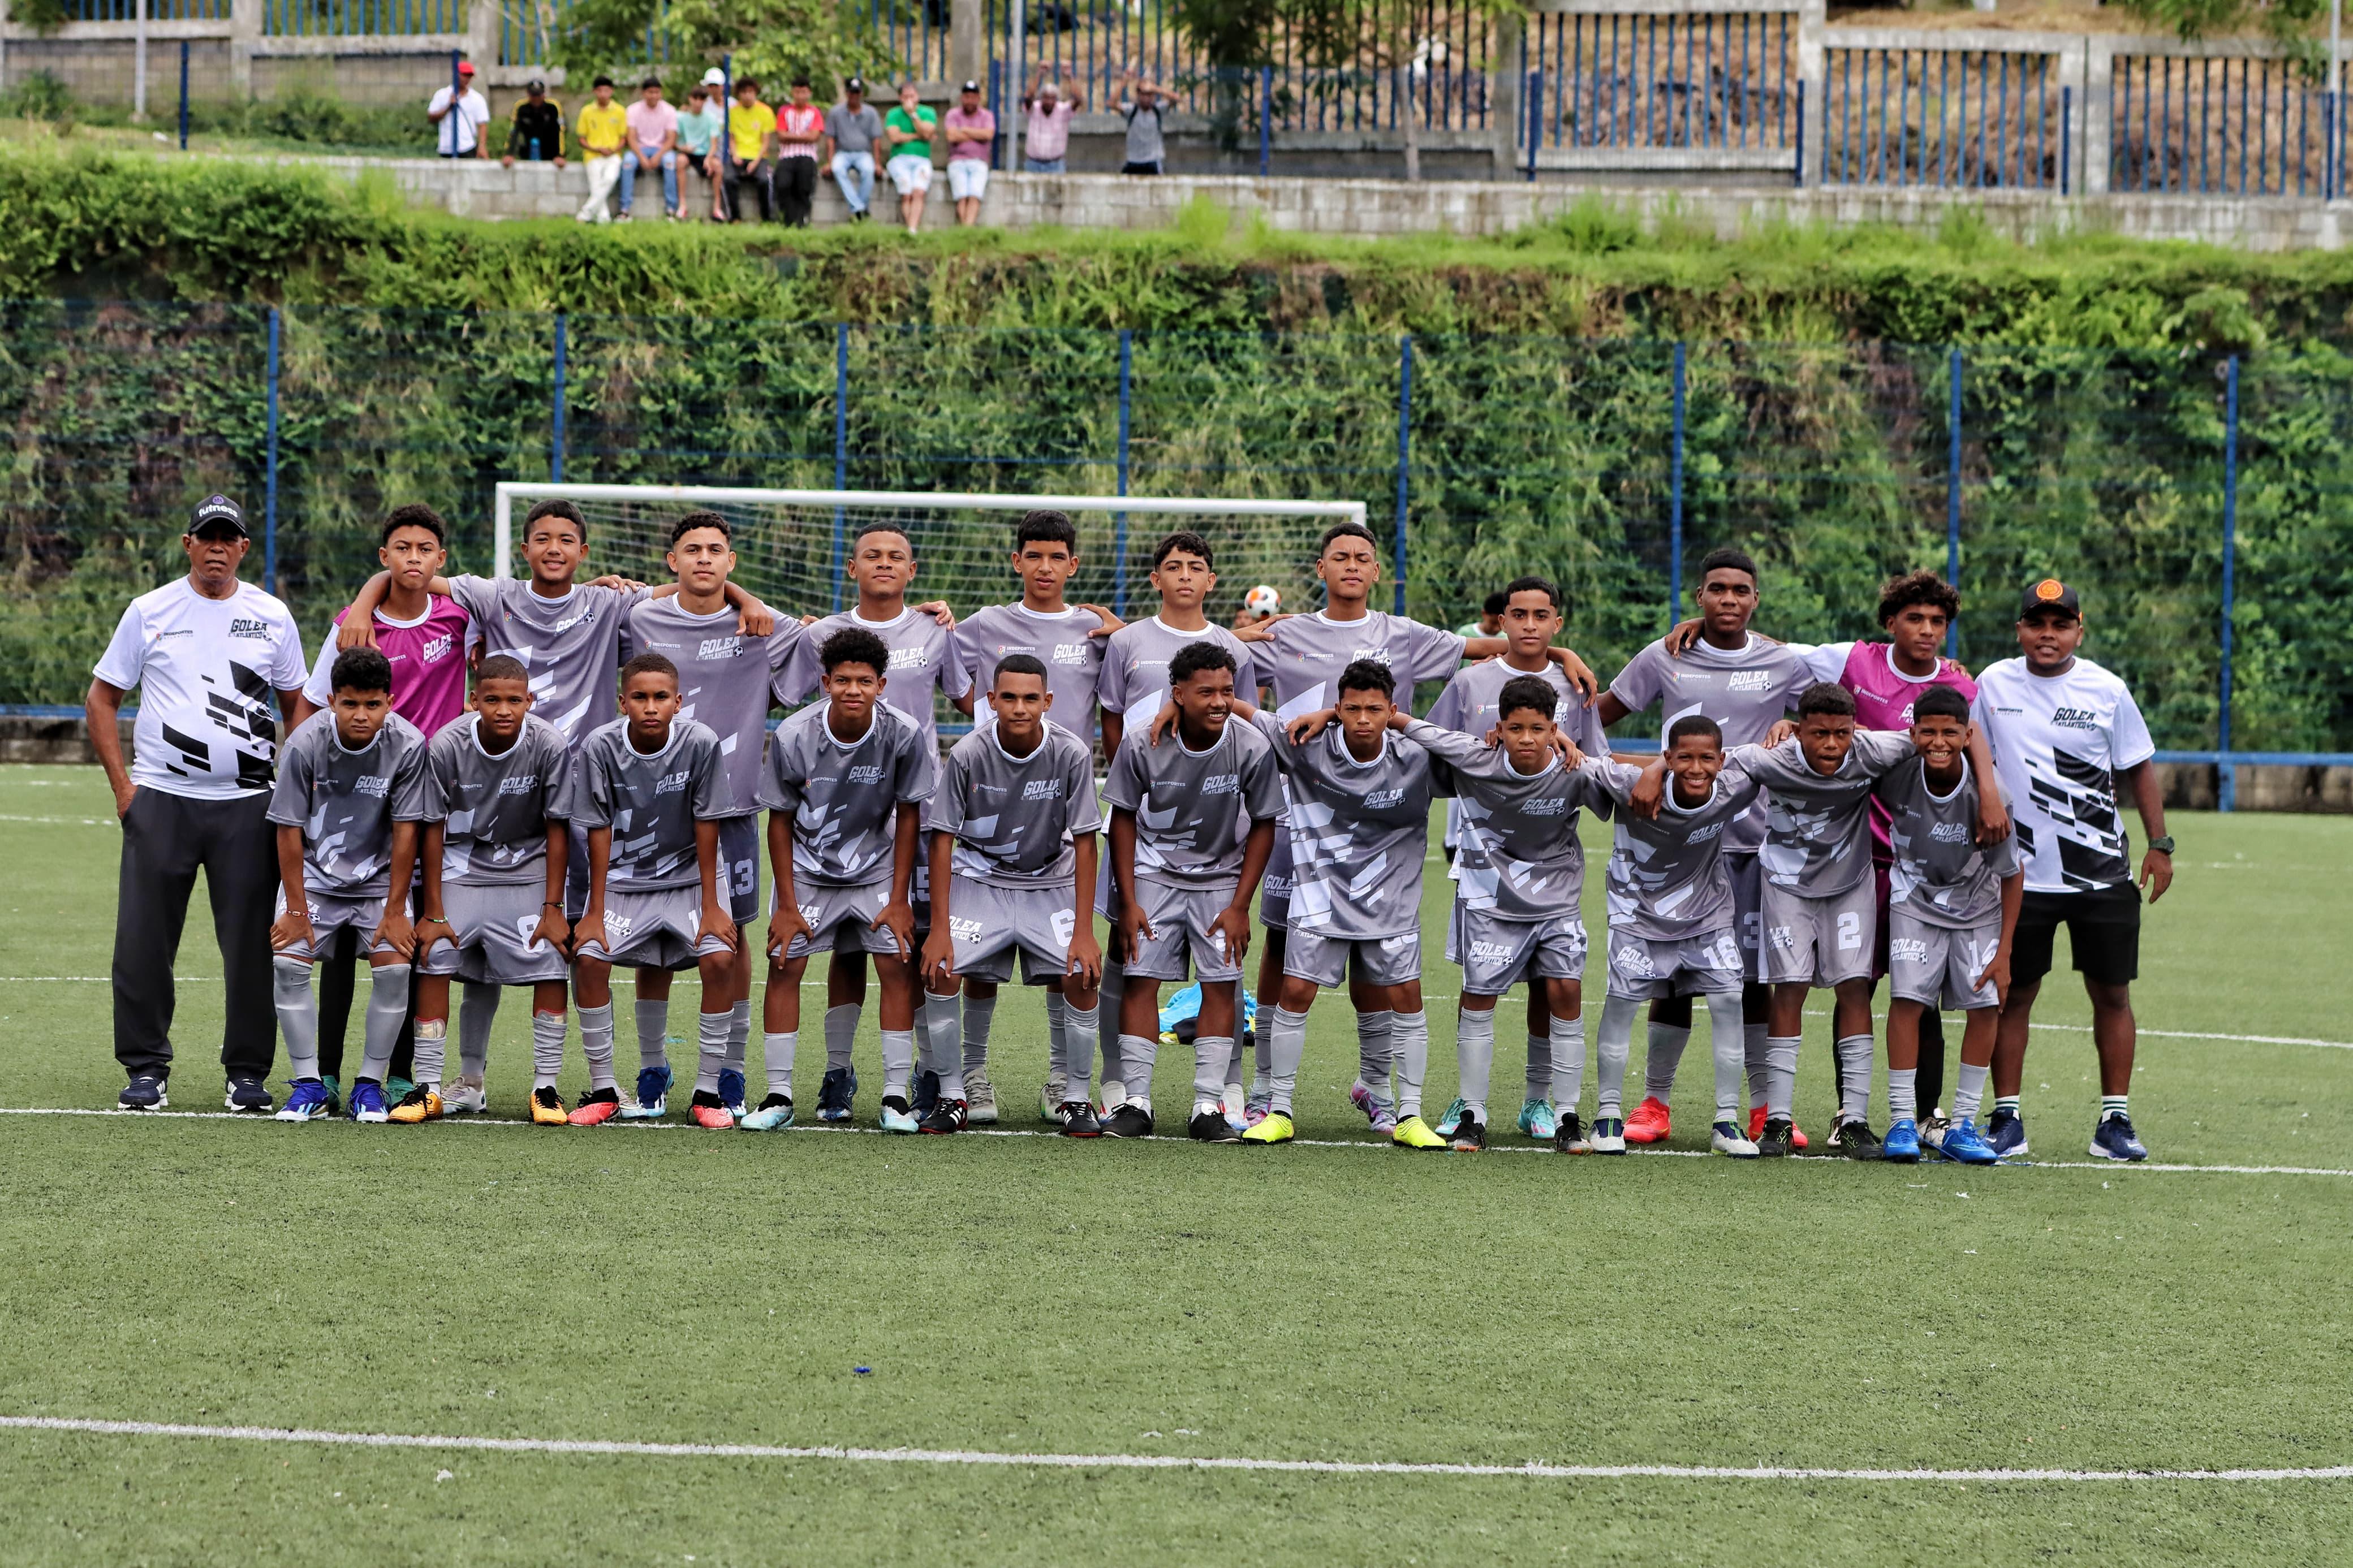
{"x":1749,"y":680}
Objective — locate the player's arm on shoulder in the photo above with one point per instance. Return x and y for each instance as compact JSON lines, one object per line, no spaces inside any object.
{"x":358,"y":629}
{"x":1993,"y":811}
{"x":1108,"y":623}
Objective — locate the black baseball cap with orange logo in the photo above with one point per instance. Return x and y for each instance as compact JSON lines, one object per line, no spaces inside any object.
{"x":2050,"y":595}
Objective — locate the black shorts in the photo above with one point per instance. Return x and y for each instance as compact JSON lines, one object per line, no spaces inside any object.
{"x":2103,"y":930}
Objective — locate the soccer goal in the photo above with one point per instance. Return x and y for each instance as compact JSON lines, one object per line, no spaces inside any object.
{"x":793,"y":547}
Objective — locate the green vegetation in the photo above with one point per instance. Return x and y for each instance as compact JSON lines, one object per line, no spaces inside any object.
{"x":299,"y":117}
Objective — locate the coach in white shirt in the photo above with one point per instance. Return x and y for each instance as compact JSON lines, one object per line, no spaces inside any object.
{"x":204,"y":653}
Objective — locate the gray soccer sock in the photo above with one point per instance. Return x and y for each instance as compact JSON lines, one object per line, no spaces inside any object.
{"x":477,"y":1008}
{"x":547,"y":1048}
{"x":898,"y":1060}
{"x":1854,"y":1052}
{"x":942,"y":1013}
{"x":1969,"y":1092}
{"x":1728,"y":1039}
{"x":739,"y":1034}
{"x":1756,"y":1049}
{"x":710,"y":1048}
{"x":653,"y":1032}
{"x":1286,"y":1046}
{"x":1058,"y":1050}
{"x":1613,"y":1045}
{"x":1902,"y":1093}
{"x":1234,"y":1070}
{"x":1540,"y":1074}
{"x":1475,"y":1058}
{"x":1263,"y":1051}
{"x":841,"y":1034}
{"x":596,"y":1045}
{"x":1568,"y":1063}
{"x":1137,"y":1054}
{"x":1212,"y":1053}
{"x":432,"y":1052}
{"x":1780,"y":1076}
{"x":387,"y":1009}
{"x":298,"y":1015}
{"x":1079,"y":1028}
{"x":927,"y":1049}
{"x":1666,"y":1054}
{"x":1376,"y":1051}
{"x":979,"y":1019}
{"x":1109,"y":1041}
{"x":776,"y":1052}
{"x":1409,"y":1036}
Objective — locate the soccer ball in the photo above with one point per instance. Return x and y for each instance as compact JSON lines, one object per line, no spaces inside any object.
{"x":1262,"y":600}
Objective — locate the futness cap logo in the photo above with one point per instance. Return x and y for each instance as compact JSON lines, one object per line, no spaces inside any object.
{"x":2050,"y":589}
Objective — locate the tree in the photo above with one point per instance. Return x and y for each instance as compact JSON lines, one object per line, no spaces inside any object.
{"x":774,"y":40}
{"x":1386,"y":38}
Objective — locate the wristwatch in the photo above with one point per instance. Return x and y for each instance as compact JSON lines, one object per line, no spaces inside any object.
{"x":2162,"y":844}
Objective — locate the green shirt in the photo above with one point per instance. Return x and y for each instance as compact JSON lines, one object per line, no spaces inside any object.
{"x":925,"y":121}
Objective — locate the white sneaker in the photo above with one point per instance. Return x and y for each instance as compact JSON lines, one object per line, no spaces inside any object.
{"x":1728,"y":1139}
{"x":464,"y":1099}
{"x":1051,"y":1095}
{"x":979,"y":1100}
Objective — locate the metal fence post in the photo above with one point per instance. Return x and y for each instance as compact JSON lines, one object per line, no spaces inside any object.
{"x":2227,"y":784}
{"x":840,"y":444}
{"x":1676,"y":504}
{"x":555,"y":447}
{"x":1953,"y":492}
{"x":183,"y":95}
{"x":996,"y":112}
{"x":1265,"y":117}
{"x":269,"y":473}
{"x":1404,"y":454}
{"x":2066,"y":138}
{"x":1119,"y":523}
{"x":1798,"y":173}
{"x":457,"y":115}
{"x":1535,"y":119}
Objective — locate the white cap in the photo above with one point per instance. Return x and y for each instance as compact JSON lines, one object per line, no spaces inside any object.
{"x":714,"y":76}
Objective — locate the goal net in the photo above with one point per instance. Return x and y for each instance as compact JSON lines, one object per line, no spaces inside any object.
{"x":793,"y":547}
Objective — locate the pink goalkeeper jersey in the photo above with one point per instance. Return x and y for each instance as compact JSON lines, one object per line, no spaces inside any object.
{"x":1883,"y":698}
{"x":429,"y":664}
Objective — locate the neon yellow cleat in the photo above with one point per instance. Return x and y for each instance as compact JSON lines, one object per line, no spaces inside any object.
{"x":1413,"y":1132}
{"x":419,"y":1105}
{"x":1274,"y":1129}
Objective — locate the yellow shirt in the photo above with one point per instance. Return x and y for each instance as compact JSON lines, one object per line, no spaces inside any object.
{"x":750,"y":129}
{"x":603,"y":129}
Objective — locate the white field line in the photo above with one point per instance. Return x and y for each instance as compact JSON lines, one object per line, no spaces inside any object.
{"x":1367,"y":1146}
{"x":1531,"y":1470}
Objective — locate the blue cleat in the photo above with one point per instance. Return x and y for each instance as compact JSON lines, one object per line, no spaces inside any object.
{"x":145,"y":1091}
{"x":897,"y":1117}
{"x":368,"y":1102}
{"x":306,"y":1101}
{"x":2114,"y":1139}
{"x":248,"y":1093}
{"x":653,"y":1096}
{"x":2006,"y":1133}
{"x":1537,"y":1120}
{"x":775,"y":1114}
{"x":1903,"y":1144}
{"x":1455,"y":1111}
{"x":837,"y":1095}
{"x":731,"y":1092}
{"x":1962,"y":1142}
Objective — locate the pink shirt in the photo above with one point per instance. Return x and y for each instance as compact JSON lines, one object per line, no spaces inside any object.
{"x":1883,"y":696}
{"x":1049,"y":130}
{"x":429,"y":664}
{"x":792,"y":120}
{"x":980,"y":120}
{"x":648,"y":124}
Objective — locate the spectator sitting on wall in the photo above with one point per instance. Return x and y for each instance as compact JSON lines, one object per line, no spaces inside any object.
{"x":851,"y":130}
{"x":910,"y":128}
{"x":971,"y":132}
{"x":700,"y":125}
{"x":800,"y":126}
{"x":1139,"y":105}
{"x":604,"y":132}
{"x":653,"y":143}
{"x":460,"y":135}
{"x":751,"y":151}
{"x":1049,"y":130}
{"x":536,"y":134}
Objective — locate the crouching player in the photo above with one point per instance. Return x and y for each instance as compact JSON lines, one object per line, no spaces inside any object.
{"x":845,"y":785}
{"x":1952,"y":913}
{"x":1519,"y":873}
{"x":1192,"y":824}
{"x":494,"y":835}
{"x":1014,"y":828}
{"x":350,"y":793}
{"x":645,"y":789}
{"x":1672,"y":920}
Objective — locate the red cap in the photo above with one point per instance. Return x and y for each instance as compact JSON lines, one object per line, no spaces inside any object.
{"x":465,"y":67}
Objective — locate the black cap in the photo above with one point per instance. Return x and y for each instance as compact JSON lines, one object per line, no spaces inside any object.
{"x":534,"y":85}
{"x":218,"y":508}
{"x":2050,"y":595}
{"x":855,"y":84}
{"x":971,"y":87}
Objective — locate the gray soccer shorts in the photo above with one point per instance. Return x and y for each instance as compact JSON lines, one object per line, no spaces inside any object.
{"x":1274,"y":887}
{"x":1497,"y":954}
{"x":655,"y":929}
{"x":832,"y":911}
{"x":1821,"y":941}
{"x":1703,"y":965}
{"x":739,"y":865}
{"x":1938,"y":966}
{"x":1183,"y":922}
{"x":1323,"y":960}
{"x":329,"y":914}
{"x":989,"y":924}
{"x":1747,"y":879}
{"x":493,"y":927}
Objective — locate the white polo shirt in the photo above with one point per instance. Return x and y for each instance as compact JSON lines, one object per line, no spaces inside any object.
{"x":205,"y":669}
{"x":2058,"y":741}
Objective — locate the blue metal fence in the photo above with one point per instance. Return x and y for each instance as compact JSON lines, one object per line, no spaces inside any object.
{"x":1710,"y":81}
{"x":157,"y":10}
{"x":2220,"y":126}
{"x":355,"y":18}
{"x":1942,"y":116}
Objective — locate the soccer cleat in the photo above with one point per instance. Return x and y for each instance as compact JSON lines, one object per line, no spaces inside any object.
{"x":1537,"y":1120}
{"x":1111,"y":1096}
{"x":1651,"y":1122}
{"x":1798,"y":1140}
{"x":653,"y":1096}
{"x":334,"y":1093}
{"x":897,"y":1116}
{"x":368,"y":1102}
{"x":1378,"y":1112}
{"x":1078,"y":1120}
{"x":419,"y":1104}
{"x":837,"y":1094}
{"x":1932,"y":1131}
{"x":710,"y":1112}
{"x":927,"y":1093}
{"x":1274,"y":1127}
{"x":980,"y":1100}
{"x":1963,"y":1142}
{"x":1568,"y":1136}
{"x":464,"y":1099}
{"x":1903,"y":1144}
{"x":731,"y":1092}
{"x":1470,"y":1137}
{"x":1210,"y":1125}
{"x":948,"y":1114}
{"x":145,"y":1093}
{"x":773,"y":1115}
{"x":596,"y":1107}
{"x":248,"y":1093}
{"x":1608,"y":1135}
{"x":1130,"y":1121}
{"x":2007,"y":1133}
{"x":1775,"y":1139}
{"x":306,"y":1101}
{"x":1456,"y":1109}
{"x":1413,"y":1132}
{"x":2114,"y":1139}
{"x":1855,"y":1139}
{"x":398,"y":1088}
{"x":1051,"y":1094}
{"x":1728,"y":1139}
{"x":547,"y":1105}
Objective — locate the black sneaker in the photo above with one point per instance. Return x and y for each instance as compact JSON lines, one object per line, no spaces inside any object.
{"x":1210,"y":1126}
{"x":1078,"y":1120}
{"x":1130,"y":1121}
{"x":145,"y":1091}
{"x":946,"y":1115}
{"x":927,"y":1093}
{"x":837,"y":1095}
{"x":248,"y":1093}
{"x":1779,"y":1138}
{"x":1855,"y":1139}
{"x":1568,"y":1135}
{"x":1470,"y":1136}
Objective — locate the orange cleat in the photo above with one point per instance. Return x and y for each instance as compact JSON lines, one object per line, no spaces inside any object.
{"x":595,"y":1108}
{"x":1651,"y":1122}
{"x":1756,"y":1128}
{"x":709,"y":1112}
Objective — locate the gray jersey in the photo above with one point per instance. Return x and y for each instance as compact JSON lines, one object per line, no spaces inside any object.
{"x":1302,"y":664}
{"x":1359,"y":833}
{"x":1073,"y":658}
{"x":1472,"y":704}
{"x":1015,"y":818}
{"x":570,"y":645}
{"x":345,"y":802}
{"x":845,"y":797}
{"x":1940,"y":876}
{"x":1193,"y":809}
{"x":1134,"y":683}
{"x":727,"y":680}
{"x":921,"y":670}
{"x":1746,"y":691}
{"x":493,"y":810}
{"x":650,"y":803}
{"x":1667,"y":879}
{"x":1816,"y":825}
{"x":1519,"y":858}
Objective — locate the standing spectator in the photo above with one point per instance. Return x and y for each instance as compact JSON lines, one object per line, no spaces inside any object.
{"x":204,"y":653}
{"x":851,"y":129}
{"x":1048,"y":136}
{"x":750,"y":160}
{"x":700,"y":125}
{"x":536,"y":134}
{"x":800,"y":126}
{"x":604,"y":132}
{"x":971,"y":132}
{"x":653,"y":142}
{"x":1139,"y":105}
{"x":910,"y":128}
{"x":461,"y":134}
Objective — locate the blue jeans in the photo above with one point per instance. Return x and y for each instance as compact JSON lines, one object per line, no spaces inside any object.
{"x":858,"y":192}
{"x":631,"y":162}
{"x":1043,"y":166}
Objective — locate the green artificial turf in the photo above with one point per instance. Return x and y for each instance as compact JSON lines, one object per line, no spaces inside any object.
{"x":1027,"y":1294}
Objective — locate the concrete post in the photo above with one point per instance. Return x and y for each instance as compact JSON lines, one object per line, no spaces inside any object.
{"x":1507,"y":71}
{"x":1813,"y":17}
{"x":243,"y":38}
{"x":482,"y":22}
{"x":2071,"y":75}
{"x":968,"y":42}
{"x":2099,"y":79}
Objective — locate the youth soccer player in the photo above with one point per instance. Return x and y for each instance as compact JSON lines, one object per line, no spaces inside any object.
{"x":1673,"y":915}
{"x":1192,"y":825}
{"x":1953,"y":918}
{"x":494,"y":835}
{"x":647,"y":789}
{"x":1518,"y":875}
{"x":845,"y":787}
{"x":349,"y":796}
{"x":1013,"y":871}
{"x":728,"y":680}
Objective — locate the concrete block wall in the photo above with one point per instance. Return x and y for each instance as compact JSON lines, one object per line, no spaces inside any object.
{"x":99,"y":71}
